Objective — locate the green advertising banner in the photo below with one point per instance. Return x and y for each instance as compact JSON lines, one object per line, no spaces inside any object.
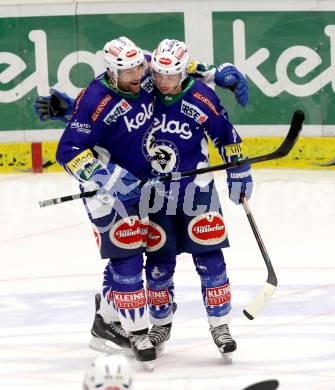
{"x":287,"y":56}
{"x":37,"y":53}
{"x":289,"y":59}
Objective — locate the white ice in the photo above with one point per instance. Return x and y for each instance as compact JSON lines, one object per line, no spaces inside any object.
{"x":50,"y":271}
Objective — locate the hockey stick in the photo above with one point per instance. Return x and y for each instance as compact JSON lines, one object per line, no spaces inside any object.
{"x":282,"y":151}
{"x":263,"y":297}
{"x":264,"y":385}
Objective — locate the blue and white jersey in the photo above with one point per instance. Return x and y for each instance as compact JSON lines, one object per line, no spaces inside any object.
{"x":178,"y":140}
{"x":108,"y":120}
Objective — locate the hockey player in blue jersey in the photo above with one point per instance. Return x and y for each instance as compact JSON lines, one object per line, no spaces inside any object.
{"x":186,"y":113}
{"x":102,"y":145}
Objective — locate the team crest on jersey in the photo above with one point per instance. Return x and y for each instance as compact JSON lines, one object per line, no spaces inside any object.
{"x":165,"y":158}
{"x":126,"y":233}
{"x":193,"y":112}
{"x":207,"y":229}
{"x":121,"y":108}
{"x":147,"y":84}
{"x":156,"y":237}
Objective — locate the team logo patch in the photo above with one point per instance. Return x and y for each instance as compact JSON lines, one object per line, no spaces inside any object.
{"x":102,"y":104}
{"x":158,"y":297}
{"x":126,"y":233}
{"x":156,"y":237}
{"x":207,"y":229}
{"x":217,"y":296}
{"x":193,"y":112}
{"x":121,"y":108}
{"x":130,"y":300}
{"x":164,"y":158}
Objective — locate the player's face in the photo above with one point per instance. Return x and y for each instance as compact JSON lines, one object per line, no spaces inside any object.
{"x":129,"y":80}
{"x":167,"y":84}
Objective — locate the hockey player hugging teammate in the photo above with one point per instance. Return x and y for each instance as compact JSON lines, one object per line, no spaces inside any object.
{"x":189,"y":217}
{"x":109,"y":144}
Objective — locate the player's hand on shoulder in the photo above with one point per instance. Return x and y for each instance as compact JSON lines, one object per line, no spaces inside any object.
{"x":239,"y":182}
{"x":117,"y":183}
{"x":228,"y":76}
{"x":56,"y":106}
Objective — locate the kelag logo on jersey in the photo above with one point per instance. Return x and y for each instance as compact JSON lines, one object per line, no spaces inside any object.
{"x":193,"y":112}
{"x":119,"y":109}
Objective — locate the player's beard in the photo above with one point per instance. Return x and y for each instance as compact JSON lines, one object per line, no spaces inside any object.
{"x":132,"y":87}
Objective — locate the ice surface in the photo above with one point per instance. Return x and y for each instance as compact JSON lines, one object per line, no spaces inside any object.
{"x":50,"y":271}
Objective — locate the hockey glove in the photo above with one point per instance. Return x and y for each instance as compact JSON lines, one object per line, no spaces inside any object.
{"x":57,"y":106}
{"x":239,"y":182}
{"x":116,"y":183}
{"x":228,"y":76}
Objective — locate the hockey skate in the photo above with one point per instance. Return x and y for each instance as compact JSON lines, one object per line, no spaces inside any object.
{"x":225,"y":343}
{"x":143,"y":349}
{"x":159,"y":334}
{"x":108,"y":338}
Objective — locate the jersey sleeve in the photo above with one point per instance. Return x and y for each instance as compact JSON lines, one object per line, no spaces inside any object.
{"x":219,"y":128}
{"x":75,"y":149}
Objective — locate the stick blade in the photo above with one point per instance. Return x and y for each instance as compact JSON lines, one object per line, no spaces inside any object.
{"x":271,"y":384}
{"x":261,"y":299}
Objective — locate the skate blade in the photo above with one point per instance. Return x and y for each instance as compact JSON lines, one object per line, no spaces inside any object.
{"x":227,"y":357}
{"x":107,"y":346}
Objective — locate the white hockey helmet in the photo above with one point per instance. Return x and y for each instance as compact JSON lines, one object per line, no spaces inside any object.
{"x":121,"y":53}
{"x":171,"y":57}
{"x":108,"y":372}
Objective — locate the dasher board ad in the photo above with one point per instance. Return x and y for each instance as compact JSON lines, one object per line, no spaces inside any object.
{"x":288,"y":58}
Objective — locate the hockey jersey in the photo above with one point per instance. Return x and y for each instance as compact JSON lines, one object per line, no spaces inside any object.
{"x":107,"y":125}
{"x":178,"y":140}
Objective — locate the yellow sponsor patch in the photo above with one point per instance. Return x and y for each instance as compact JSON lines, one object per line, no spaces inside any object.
{"x":233,"y":149}
{"x":81,"y":160}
